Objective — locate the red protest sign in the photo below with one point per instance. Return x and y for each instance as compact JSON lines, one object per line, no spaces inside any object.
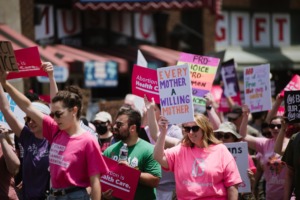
{"x":293,"y":85}
{"x":29,"y":63}
{"x":121,"y":179}
{"x":144,"y":81}
{"x":7,"y":57}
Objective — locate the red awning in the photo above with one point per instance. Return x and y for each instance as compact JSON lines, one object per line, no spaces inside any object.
{"x":19,"y":41}
{"x":150,"y":6}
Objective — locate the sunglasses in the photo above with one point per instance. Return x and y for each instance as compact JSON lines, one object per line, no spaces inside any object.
{"x":57,"y":114}
{"x":119,"y":124}
{"x":272,"y":126}
{"x":188,"y":129}
{"x":226,"y":136}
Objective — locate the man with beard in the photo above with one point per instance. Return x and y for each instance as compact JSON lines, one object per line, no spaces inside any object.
{"x":140,"y":154}
{"x":102,"y":123}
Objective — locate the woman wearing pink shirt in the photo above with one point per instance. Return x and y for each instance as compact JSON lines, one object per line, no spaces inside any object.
{"x":75,"y":157}
{"x":203,"y":167}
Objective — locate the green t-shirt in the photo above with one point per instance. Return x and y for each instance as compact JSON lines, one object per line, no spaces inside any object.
{"x":291,"y":157}
{"x":140,"y":156}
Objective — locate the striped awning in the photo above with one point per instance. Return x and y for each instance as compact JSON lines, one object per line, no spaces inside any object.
{"x":213,"y":5}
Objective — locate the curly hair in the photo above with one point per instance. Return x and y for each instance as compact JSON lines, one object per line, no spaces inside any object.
{"x":207,"y":129}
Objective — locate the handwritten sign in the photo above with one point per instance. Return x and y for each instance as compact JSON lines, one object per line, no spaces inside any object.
{"x":239,"y":150}
{"x":257,"y":88}
{"x":230,"y":85}
{"x":7,"y":57}
{"x":18,"y":113}
{"x":29,"y":64}
{"x":144,"y":81}
{"x":293,"y":85}
{"x":292,"y":106}
{"x":123,"y":180}
{"x":202,"y":71}
{"x":175,"y":93}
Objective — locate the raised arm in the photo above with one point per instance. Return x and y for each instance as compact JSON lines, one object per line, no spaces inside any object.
{"x":153,"y":127}
{"x":11,"y":159}
{"x":48,"y":67}
{"x":159,"y":155}
{"x":21,"y":100}
{"x":243,"y":128}
{"x":273,"y":112}
{"x":10,"y":118}
{"x":211,"y":112}
{"x":281,"y":140}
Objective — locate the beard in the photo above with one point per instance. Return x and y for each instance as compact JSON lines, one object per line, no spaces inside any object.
{"x":120,"y":136}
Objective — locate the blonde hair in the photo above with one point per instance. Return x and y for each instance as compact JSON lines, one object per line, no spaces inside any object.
{"x":207,"y":129}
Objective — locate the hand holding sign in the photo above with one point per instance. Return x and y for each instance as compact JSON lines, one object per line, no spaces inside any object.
{"x":48,"y":68}
{"x":3,"y":75}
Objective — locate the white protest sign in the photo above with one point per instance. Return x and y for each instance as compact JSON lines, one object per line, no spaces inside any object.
{"x":141,"y":60}
{"x":19,"y":114}
{"x":239,"y":150}
{"x":257,"y":88}
{"x":175,"y":93}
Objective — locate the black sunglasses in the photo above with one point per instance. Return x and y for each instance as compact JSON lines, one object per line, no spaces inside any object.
{"x":57,"y":114}
{"x":119,"y":124}
{"x":188,"y":129}
{"x":272,"y":126}
{"x":226,"y":136}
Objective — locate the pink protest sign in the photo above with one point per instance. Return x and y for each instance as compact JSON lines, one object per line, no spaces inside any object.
{"x":202,"y":72}
{"x":144,"y":81}
{"x":293,"y":85}
{"x":121,"y":179}
{"x":29,"y":63}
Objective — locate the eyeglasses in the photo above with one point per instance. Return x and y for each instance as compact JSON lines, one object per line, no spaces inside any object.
{"x":226,"y":136}
{"x":188,"y":129}
{"x":119,"y":124}
{"x":272,"y":126}
{"x":57,"y":114}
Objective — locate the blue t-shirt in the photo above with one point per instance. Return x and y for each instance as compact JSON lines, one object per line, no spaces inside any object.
{"x":35,"y":172}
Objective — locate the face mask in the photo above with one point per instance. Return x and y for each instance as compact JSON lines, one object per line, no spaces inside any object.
{"x":101,"y":129}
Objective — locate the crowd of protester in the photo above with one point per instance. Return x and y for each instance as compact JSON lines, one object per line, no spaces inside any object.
{"x":58,"y":154}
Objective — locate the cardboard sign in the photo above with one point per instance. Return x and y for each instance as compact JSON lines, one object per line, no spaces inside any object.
{"x":257,"y":88}
{"x":144,"y":81}
{"x":292,"y":106}
{"x":18,"y":113}
{"x":29,"y":64}
{"x":230,"y":85}
{"x":175,"y":93}
{"x":239,"y":150}
{"x":7,"y":57}
{"x":293,"y":85}
{"x":202,"y":71}
{"x":123,"y":180}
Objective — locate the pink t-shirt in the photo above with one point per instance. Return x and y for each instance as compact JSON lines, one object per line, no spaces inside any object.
{"x":274,"y":168}
{"x":202,"y":173}
{"x":72,"y":159}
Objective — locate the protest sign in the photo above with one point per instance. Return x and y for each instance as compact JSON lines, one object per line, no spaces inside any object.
{"x":293,"y":85}
{"x":141,"y":60}
{"x":144,"y":81}
{"x":18,"y":113}
{"x":292,"y":106}
{"x":257,"y":88}
{"x":175,"y":93}
{"x":29,"y":64}
{"x":239,"y":150}
{"x":230,"y":85}
{"x":7,"y":57}
{"x":123,"y":180}
{"x":202,"y":72}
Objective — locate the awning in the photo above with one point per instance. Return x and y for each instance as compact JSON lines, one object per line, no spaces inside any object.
{"x":19,"y":41}
{"x":71,"y":54}
{"x":280,"y":58}
{"x":213,"y":5}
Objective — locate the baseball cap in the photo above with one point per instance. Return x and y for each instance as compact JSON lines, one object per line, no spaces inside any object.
{"x":103,"y":117}
{"x":235,"y":112}
{"x":228,"y":127}
{"x":41,"y":107}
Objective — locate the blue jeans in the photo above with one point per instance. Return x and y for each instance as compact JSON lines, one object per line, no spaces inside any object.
{"x":77,"y":195}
